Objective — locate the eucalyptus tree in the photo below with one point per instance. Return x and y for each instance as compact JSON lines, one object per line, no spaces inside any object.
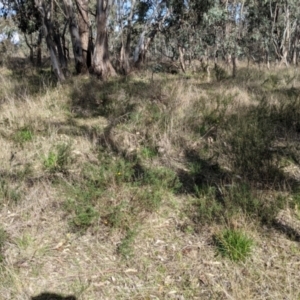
{"x":152,"y":15}
{"x":28,"y":20}
{"x":125,"y":13}
{"x":80,"y":62}
{"x":51,"y":32}
{"x":101,"y":64}
{"x":273,"y":26}
{"x":84,"y":31}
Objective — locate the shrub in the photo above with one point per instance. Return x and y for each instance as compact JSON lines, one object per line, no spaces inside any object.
{"x":58,"y":159}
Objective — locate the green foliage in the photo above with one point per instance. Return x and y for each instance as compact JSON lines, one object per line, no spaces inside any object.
{"x":23,"y":135}
{"x":233,"y":244}
{"x":206,"y":115}
{"x":208,"y":208}
{"x":120,"y":217}
{"x":224,"y":203}
{"x":148,"y":153}
{"x":125,"y":248}
{"x":135,"y":190}
{"x":272,"y":81}
{"x":81,"y":202}
{"x":84,"y":216}
{"x":3,"y":239}
{"x":7,"y":193}
{"x":162,"y":178}
{"x":251,"y":137}
{"x":149,"y":199}
{"x":58,"y":159}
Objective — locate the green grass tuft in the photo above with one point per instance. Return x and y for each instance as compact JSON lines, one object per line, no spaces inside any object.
{"x":233,"y":244}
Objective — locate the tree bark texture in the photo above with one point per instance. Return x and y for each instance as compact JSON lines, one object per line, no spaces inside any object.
{"x":126,"y":45}
{"x":84,"y":28}
{"x":101,"y":64}
{"x":51,"y":38}
{"x":80,"y":63}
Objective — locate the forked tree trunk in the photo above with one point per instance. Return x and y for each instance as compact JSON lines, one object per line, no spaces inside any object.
{"x":101,"y":64}
{"x":146,"y":38}
{"x":84,"y":25}
{"x":80,"y":63}
{"x":143,"y":46}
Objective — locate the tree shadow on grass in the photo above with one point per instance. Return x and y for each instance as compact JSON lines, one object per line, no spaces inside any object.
{"x":52,"y":296}
{"x":112,"y":99}
{"x":28,"y":80}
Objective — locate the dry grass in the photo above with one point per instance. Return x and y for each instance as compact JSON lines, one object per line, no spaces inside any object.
{"x":127,"y":139}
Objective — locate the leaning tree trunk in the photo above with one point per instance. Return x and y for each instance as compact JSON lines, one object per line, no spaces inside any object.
{"x":83,"y":26}
{"x":45,"y":10}
{"x":146,"y":38}
{"x":143,"y":46}
{"x":101,"y":64}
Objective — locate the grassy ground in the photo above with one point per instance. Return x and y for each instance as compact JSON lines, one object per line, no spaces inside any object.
{"x":154,"y":186}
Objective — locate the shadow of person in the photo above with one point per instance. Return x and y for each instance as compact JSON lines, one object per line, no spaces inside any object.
{"x":52,"y":296}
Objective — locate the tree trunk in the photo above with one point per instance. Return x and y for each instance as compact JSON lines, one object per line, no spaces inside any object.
{"x":74,"y":33}
{"x":143,"y":45}
{"x":31,"y":58}
{"x":46,"y":10}
{"x":181,"y":58}
{"x":144,"y":42}
{"x":84,"y":25}
{"x":295,"y":45}
{"x":61,"y":56}
{"x":234,"y":67}
{"x":124,"y":57}
{"x":101,"y":63}
{"x":125,"y":48}
{"x":285,"y":42}
{"x":39,"y":49}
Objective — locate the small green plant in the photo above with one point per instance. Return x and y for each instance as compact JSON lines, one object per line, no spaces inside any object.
{"x":149,"y":199}
{"x":50,"y":162}
{"x":3,"y":238}
{"x":7,"y":193}
{"x":120,"y":216}
{"x":85,"y":216}
{"x":125,"y":248}
{"x":233,"y":244}
{"x":161,"y":178}
{"x":148,"y":153}
{"x":83,"y":213}
{"x":24,"y":241}
{"x":208,"y":208}
{"x":272,"y":81}
{"x":23,"y":135}
{"x":58,"y":159}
